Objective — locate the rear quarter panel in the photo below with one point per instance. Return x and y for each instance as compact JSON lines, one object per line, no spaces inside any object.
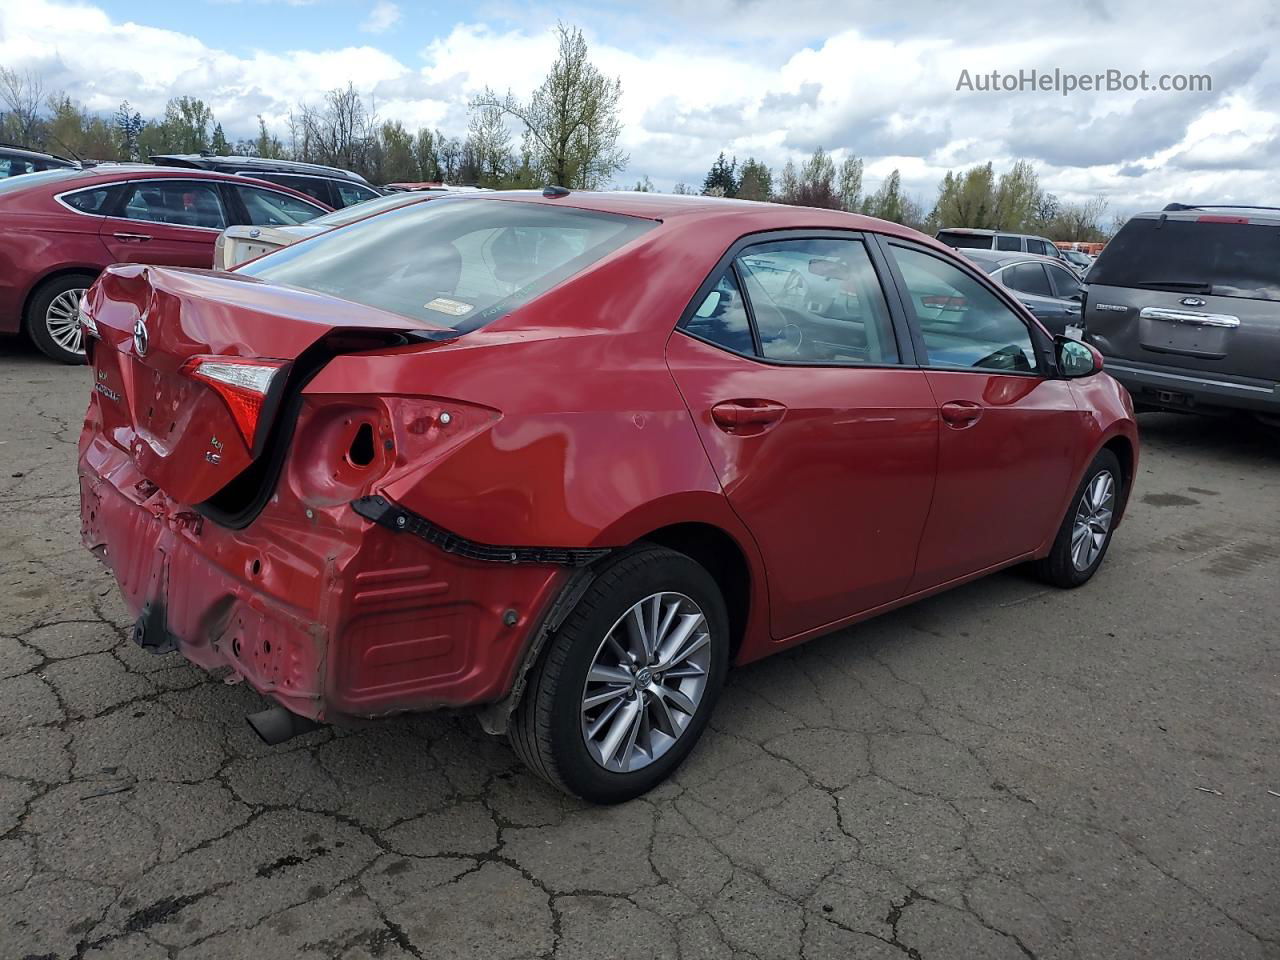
{"x":34,"y":245}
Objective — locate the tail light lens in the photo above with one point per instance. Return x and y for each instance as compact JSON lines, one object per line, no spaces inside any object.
{"x":243,"y":384}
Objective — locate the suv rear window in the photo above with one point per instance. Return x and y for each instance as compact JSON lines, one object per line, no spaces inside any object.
{"x":1189,"y":256}
{"x":460,"y":263}
{"x":972,"y":241}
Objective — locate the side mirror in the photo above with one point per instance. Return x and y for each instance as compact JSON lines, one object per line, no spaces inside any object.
{"x":1076,"y":359}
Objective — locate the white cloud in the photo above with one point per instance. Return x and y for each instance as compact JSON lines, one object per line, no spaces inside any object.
{"x":382,"y":17}
{"x":881,"y":85}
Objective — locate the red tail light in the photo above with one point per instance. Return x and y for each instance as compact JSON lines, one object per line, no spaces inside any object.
{"x":242,"y":383}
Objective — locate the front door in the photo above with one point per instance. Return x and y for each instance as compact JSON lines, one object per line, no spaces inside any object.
{"x":1008,"y":429}
{"x":824,"y":440}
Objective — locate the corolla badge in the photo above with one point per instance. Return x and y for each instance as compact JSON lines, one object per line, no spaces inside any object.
{"x":1191,"y":302}
{"x":140,"y":339}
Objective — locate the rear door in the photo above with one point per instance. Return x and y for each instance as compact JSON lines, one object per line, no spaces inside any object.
{"x":823,"y":432}
{"x":1009,"y":430}
{"x":1201,"y":293}
{"x":170,"y":221}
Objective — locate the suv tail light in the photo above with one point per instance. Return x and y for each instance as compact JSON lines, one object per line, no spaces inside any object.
{"x":243,"y":384}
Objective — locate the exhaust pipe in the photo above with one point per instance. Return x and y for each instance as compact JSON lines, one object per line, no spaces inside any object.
{"x":275,"y":725}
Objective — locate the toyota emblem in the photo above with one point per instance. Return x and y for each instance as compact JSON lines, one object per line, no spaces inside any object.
{"x":140,"y":338}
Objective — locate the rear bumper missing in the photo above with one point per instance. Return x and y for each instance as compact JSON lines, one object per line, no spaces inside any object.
{"x":1177,"y":388}
{"x":324,"y":611}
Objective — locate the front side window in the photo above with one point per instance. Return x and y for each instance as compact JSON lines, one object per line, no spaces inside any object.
{"x":267,"y":208}
{"x":455,"y":263}
{"x":1039,"y":246}
{"x":313,"y":187}
{"x":352,"y":193}
{"x":179,"y":203}
{"x":963,"y":323}
{"x":1028,"y":278}
{"x":1066,"y":283}
{"x":817,"y":301}
{"x":1006,"y":242}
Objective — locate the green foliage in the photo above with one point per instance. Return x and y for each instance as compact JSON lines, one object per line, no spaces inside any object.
{"x":851,"y":184}
{"x":721,"y":179}
{"x":755,"y":181}
{"x":399,"y":164}
{"x":571,"y":123}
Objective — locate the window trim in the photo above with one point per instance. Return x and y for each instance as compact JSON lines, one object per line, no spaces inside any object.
{"x":111,"y":201}
{"x":1041,"y":341}
{"x":897,"y":318}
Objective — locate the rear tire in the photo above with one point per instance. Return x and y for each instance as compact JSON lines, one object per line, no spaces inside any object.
{"x":52,"y":322}
{"x":550,"y":729}
{"x":1085,"y":534}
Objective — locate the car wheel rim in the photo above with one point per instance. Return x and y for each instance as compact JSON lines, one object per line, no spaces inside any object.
{"x":62,"y":320}
{"x":646,"y":681}
{"x":1093,"y":520}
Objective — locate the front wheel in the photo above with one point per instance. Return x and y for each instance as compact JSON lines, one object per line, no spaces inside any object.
{"x":1086,"y":530}
{"x":625,"y":687}
{"x":53,"y":318}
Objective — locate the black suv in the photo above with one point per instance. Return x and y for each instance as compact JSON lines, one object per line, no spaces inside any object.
{"x":1185,"y":306}
{"x":15,"y":161}
{"x":332,"y":186}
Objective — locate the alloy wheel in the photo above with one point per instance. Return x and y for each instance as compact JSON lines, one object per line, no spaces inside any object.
{"x":1093,"y":520}
{"x":645,"y":682}
{"x":62,"y":320}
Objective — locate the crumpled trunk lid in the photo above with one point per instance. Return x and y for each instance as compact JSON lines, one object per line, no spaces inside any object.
{"x":152,"y":322}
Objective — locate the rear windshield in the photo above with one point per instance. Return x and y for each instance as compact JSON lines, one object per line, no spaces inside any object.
{"x":974,"y":241}
{"x":1189,"y":256}
{"x":460,"y":263}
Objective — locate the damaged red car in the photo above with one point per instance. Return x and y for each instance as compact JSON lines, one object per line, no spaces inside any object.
{"x":562,"y":458}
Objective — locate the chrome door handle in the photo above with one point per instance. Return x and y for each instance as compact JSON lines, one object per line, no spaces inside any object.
{"x":139,"y":237}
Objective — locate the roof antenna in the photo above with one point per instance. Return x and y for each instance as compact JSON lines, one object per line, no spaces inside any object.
{"x":551,"y":191}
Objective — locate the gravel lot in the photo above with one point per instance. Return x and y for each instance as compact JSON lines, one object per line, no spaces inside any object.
{"x":1003,"y":771}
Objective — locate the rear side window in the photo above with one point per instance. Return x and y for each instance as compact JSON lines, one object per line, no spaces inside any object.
{"x":13,"y":167}
{"x":1190,"y":256}
{"x":455,"y":263}
{"x":179,"y":203}
{"x":1041,"y":247}
{"x":971,"y":241}
{"x":266,"y":208}
{"x":722,"y":317}
{"x":95,"y":200}
{"x":1006,"y":242}
{"x":1027,"y":277}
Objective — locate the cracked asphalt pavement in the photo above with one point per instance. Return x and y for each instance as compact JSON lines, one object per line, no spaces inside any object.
{"x":1001,"y":772}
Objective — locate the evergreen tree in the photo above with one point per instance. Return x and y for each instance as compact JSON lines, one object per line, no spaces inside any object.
{"x":721,"y":179}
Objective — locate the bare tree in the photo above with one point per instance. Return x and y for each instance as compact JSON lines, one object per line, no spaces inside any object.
{"x":22,"y":93}
{"x":571,"y":121}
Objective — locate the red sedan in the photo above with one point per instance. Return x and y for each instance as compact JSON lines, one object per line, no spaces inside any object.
{"x":60,"y":228}
{"x":562,"y":458}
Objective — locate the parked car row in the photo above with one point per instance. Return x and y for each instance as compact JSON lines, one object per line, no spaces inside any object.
{"x":1183,"y":302}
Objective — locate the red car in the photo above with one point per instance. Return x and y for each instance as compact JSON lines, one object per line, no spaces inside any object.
{"x":60,"y":228}
{"x":562,"y":458}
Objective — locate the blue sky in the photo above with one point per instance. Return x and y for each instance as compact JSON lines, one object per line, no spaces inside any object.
{"x":758,"y":78}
